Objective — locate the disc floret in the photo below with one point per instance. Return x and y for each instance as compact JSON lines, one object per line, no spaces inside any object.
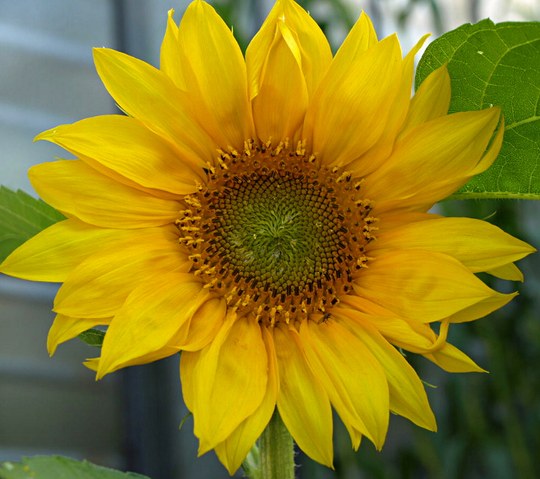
{"x":276,"y":233}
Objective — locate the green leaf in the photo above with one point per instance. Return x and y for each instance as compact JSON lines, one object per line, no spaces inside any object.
{"x":58,"y":467}
{"x":92,"y":337}
{"x":496,"y":64}
{"x":21,"y":217}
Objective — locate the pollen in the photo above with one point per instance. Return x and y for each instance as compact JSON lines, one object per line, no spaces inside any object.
{"x":276,"y":233}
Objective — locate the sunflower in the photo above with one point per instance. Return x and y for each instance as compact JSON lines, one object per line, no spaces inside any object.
{"x":268,"y":217}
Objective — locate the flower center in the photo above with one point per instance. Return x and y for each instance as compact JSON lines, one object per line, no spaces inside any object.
{"x":276,"y":233}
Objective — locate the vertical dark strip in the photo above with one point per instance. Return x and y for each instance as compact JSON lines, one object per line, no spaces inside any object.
{"x":119,"y":24}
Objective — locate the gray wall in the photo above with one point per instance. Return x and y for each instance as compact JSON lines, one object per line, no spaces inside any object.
{"x":47,"y":78}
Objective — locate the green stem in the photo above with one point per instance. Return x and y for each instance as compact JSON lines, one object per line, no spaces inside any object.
{"x":276,"y":450}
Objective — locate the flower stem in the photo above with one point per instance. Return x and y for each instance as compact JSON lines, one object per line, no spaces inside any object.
{"x":276,"y":450}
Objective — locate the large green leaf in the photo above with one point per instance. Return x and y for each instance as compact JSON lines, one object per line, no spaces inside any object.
{"x":497,"y":64}
{"x":57,"y":467}
{"x":21,"y":217}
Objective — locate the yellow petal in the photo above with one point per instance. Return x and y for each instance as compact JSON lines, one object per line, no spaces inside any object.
{"x":364,"y":305}
{"x":55,"y":251}
{"x":149,"y":319}
{"x":410,"y":335}
{"x":65,"y":328}
{"x":355,"y":99}
{"x":149,"y":357}
{"x":204,"y":325}
{"x":433,"y":160}
{"x":430,"y":101}
{"x":492,"y":152}
{"x":482,"y":308}
{"x":313,"y":46}
{"x":229,"y":383}
{"x":99,"y":285}
{"x":215,"y":75}
{"x":149,"y":95}
{"x":126,"y":146}
{"x":361,"y":38}
{"x":453,"y":360}
{"x":303,"y":402}
{"x":401,"y":218}
{"x":78,"y":190}
{"x":309,"y":45}
{"x":235,"y":448}
{"x":188,"y":364}
{"x":400,"y":106}
{"x":92,"y":364}
{"x":281,"y":100}
{"x":353,"y":378}
{"x":424,"y":286}
{"x":407,"y":394}
{"x":509,"y":271}
{"x":479,"y":245}
{"x":170,"y":57}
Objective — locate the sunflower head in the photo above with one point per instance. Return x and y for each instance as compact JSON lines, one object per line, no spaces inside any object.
{"x":269,"y":217}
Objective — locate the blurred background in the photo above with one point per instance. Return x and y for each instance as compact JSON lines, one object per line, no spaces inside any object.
{"x":489,"y":425}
